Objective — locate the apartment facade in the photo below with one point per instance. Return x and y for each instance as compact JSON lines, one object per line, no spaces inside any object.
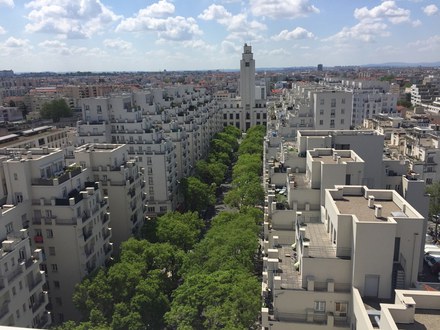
{"x":69,"y":219}
{"x":334,"y":237}
{"x":23,"y":291}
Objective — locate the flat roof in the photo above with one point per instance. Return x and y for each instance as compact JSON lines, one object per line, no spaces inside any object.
{"x":358,"y":205}
{"x":424,"y":319}
{"x":328,"y":159}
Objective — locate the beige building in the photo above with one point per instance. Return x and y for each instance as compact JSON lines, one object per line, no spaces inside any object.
{"x":23,"y":299}
{"x":331,"y":235}
{"x":70,"y":219}
{"x":122,"y":184}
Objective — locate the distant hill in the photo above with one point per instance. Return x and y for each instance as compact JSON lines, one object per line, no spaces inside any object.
{"x":403,"y":64}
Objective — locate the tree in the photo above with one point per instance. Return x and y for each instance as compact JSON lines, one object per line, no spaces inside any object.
{"x":211,"y":172}
{"x":180,"y":229}
{"x":198,"y":195}
{"x":225,"y":299}
{"x":55,"y":110}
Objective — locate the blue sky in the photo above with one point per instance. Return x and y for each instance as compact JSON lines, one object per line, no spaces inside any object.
{"x":117,"y":35}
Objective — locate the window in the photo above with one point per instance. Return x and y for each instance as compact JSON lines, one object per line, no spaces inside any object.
{"x":52,"y":250}
{"x":342,"y":121}
{"x":319,"y":306}
{"x":321,"y":122}
{"x":14,"y":292}
{"x":343,"y":101}
{"x":321,"y":112}
{"x":15,"y":176}
{"x":49,"y":233}
{"x":246,"y":64}
{"x":151,"y":209}
{"x":342,"y":111}
{"x":341,"y":308}
{"x":9,"y":228}
{"x":333,"y":103}
{"x":321,"y":101}
{"x":56,"y":284}
{"x":163,"y":209}
{"x":428,"y":180}
{"x":149,"y":161}
{"x":54,"y":268}
{"x":58,"y":301}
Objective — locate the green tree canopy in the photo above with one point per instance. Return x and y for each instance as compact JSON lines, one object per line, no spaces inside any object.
{"x":220,"y":300}
{"x":55,"y":110}
{"x":211,"y":172}
{"x":198,"y":195}
{"x":180,"y":229}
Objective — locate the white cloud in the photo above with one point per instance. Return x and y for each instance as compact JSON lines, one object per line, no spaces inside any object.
{"x":237,"y":22}
{"x":372,"y":22}
{"x":118,"y":44}
{"x":15,"y":47}
{"x":282,"y":8}
{"x":7,"y":3}
{"x":364,"y":31}
{"x":154,"y":18}
{"x":297,"y":33}
{"x":215,"y":12}
{"x":387,"y":9}
{"x":12,"y":42}
{"x":2,"y":30}
{"x":430,"y":10}
{"x":229,"y":47}
{"x":69,"y":19}
{"x":416,"y":23}
{"x":61,"y":48}
{"x":431,"y":44}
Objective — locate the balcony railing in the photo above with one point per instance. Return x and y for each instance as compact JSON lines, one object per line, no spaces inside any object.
{"x":35,"y":282}
{"x":38,"y":302}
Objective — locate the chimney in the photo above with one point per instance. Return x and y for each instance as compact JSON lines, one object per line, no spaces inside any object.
{"x":335,"y":156}
{"x":378,"y":211}
{"x":404,"y":208}
{"x":371,"y":201}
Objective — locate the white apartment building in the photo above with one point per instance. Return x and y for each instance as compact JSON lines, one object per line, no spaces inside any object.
{"x":370,"y":97}
{"x":23,"y":298}
{"x":168,"y":130}
{"x":311,"y":282}
{"x":332,"y":110}
{"x":122,"y":184}
{"x":70,"y":219}
{"x":42,"y":136}
{"x":322,"y":255}
{"x":312,"y":106}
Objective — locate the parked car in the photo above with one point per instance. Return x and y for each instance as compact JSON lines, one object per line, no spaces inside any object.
{"x":431,"y":259}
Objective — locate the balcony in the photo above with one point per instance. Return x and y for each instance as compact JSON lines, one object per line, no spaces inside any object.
{"x":38,"y":280}
{"x":87,"y":234}
{"x":106,"y":217}
{"x":106,"y":233}
{"x":69,"y":173}
{"x":4,"y":310}
{"x":39,"y":302}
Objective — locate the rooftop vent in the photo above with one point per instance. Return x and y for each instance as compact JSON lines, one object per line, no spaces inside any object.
{"x":378,"y":211}
{"x":371,"y":201}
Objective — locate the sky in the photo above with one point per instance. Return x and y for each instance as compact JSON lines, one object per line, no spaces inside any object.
{"x":141,"y":35}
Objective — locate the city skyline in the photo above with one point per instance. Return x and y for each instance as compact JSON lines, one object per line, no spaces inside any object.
{"x":108,"y":35}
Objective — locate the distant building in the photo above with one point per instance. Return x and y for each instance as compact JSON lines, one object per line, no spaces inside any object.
{"x":320,"y":67}
{"x":249,"y":109}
